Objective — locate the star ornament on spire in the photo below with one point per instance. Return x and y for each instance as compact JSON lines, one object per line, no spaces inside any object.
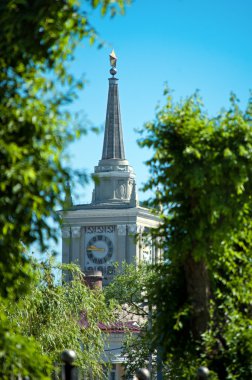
{"x":113,"y":59}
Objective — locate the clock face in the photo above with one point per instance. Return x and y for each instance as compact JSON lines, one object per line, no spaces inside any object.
{"x":99,"y":249}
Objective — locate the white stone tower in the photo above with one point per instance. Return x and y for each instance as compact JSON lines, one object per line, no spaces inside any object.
{"x":98,"y":234}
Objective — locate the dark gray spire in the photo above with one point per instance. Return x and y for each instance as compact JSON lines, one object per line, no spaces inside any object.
{"x":113,"y":138}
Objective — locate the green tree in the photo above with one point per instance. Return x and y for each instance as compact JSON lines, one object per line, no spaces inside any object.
{"x":37,"y":43}
{"x":20,"y":355}
{"x":129,"y":290}
{"x":201,"y":174}
{"x":63,"y":316}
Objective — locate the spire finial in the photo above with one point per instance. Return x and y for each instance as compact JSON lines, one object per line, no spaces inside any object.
{"x":113,"y":59}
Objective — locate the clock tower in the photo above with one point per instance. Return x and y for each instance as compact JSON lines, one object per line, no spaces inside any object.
{"x":99,"y":234}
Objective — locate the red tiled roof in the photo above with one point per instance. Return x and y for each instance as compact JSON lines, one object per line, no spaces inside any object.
{"x":120,"y":327}
{"x":125,"y":322}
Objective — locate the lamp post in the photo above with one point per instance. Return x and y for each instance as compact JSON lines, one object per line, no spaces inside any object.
{"x":202,"y":373}
{"x":142,"y":374}
{"x":69,"y":371}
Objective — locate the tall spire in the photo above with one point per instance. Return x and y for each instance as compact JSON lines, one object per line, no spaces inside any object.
{"x":113,"y":146}
{"x":115,"y":185}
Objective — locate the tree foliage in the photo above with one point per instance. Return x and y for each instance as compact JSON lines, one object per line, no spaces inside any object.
{"x":37,"y":43}
{"x":201,"y":174}
{"x":63,"y":316}
{"x":129,"y":290}
{"x":20,"y":355}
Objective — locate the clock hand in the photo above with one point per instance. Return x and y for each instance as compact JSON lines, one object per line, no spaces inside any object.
{"x":94,"y":248}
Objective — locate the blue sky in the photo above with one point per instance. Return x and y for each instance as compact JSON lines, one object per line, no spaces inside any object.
{"x":190,"y":44}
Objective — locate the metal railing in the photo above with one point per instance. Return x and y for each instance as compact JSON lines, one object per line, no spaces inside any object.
{"x":70,"y":372}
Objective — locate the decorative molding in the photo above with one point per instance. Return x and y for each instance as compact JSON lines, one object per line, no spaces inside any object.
{"x":115,"y":174}
{"x":121,"y":191}
{"x":121,"y":228}
{"x":76,"y":231}
{"x":130,"y":188}
{"x":65,"y":231}
{"x":122,"y":168}
{"x":118,"y":168}
{"x":106,"y":168}
{"x":99,"y":229}
{"x":82,"y":215}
